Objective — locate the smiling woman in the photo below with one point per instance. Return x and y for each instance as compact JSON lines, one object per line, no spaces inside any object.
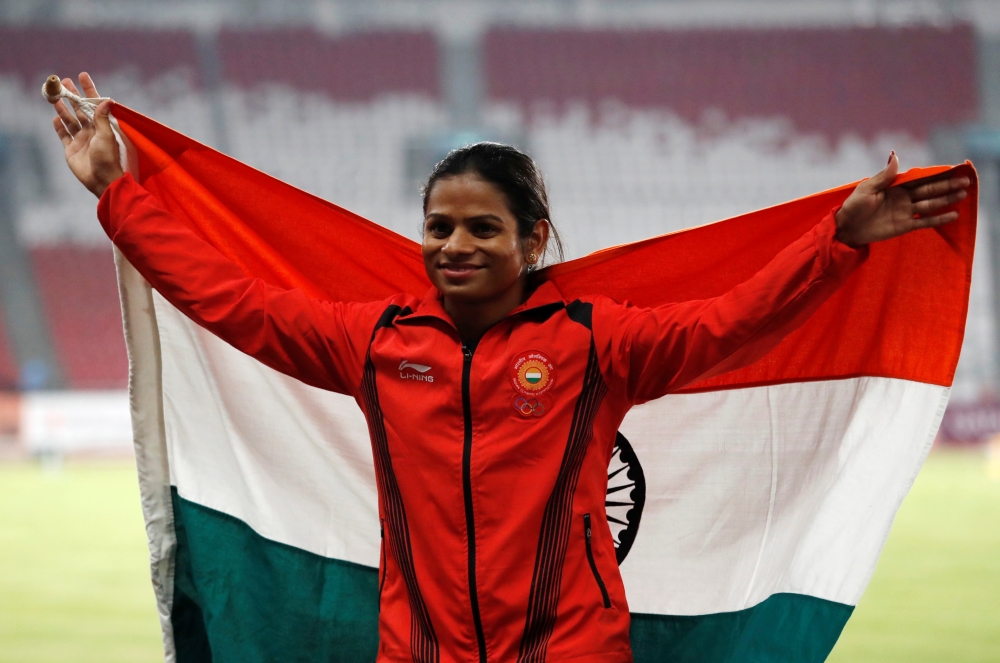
{"x":486,"y":226}
{"x":494,"y":401}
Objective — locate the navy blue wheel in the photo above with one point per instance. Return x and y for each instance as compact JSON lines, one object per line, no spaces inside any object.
{"x":626,"y":496}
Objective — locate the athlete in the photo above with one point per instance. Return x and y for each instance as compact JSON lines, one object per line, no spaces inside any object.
{"x":493,"y":401}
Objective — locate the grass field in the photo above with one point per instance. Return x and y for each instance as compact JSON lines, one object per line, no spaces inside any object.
{"x":935,"y":595}
{"x":74,"y":585}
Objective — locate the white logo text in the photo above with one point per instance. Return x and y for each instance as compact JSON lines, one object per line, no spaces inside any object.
{"x":419,"y":375}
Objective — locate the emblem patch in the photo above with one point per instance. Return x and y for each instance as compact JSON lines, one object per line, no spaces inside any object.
{"x":533,"y":373}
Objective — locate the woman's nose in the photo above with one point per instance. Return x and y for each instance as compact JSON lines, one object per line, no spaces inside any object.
{"x":459,"y":243}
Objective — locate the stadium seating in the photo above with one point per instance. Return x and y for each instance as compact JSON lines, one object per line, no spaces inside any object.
{"x":638,"y":132}
{"x":624,"y":174}
{"x":832,"y":81}
{"x":333,"y":115}
{"x":352,"y":154}
{"x":31,"y":54}
{"x":8,"y":365}
{"x":354,"y":67}
{"x":79,"y":293}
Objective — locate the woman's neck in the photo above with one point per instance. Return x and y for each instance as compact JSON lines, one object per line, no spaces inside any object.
{"x":472,"y":319}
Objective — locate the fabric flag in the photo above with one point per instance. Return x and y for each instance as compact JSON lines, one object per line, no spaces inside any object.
{"x":749,"y":510}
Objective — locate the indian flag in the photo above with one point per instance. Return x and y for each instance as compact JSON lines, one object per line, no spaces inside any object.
{"x":749,"y":510}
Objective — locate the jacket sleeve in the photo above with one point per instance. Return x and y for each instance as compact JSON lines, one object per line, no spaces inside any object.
{"x":654,"y":351}
{"x":318,"y":342}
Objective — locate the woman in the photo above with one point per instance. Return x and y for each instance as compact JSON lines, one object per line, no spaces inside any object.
{"x":493,"y":402}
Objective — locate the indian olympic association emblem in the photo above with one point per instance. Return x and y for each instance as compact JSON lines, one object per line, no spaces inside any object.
{"x":533,"y":373}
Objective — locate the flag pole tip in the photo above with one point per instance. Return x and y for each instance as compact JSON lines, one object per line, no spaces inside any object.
{"x":52,"y":88}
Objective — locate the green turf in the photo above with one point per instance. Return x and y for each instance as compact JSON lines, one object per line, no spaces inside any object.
{"x":935,"y":595}
{"x":74,"y":584}
{"x":74,"y":573}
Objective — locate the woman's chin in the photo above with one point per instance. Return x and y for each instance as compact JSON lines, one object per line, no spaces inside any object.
{"x":464,"y":291}
{"x":478,"y":288}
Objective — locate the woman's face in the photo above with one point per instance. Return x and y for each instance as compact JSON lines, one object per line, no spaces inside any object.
{"x":472,"y":251}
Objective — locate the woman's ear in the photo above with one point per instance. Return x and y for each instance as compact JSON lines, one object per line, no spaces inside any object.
{"x":536,"y":241}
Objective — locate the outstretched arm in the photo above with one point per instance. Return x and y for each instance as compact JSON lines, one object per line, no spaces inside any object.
{"x":662,"y":349}
{"x":318,"y":342}
{"x":312,"y":340}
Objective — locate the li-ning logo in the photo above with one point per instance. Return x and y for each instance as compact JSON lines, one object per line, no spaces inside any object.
{"x":419,"y":375}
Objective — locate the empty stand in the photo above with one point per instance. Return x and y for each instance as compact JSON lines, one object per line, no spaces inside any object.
{"x":625,"y":174}
{"x":638,"y":132}
{"x":31,"y":54}
{"x":355,"y":67}
{"x":352,"y":154}
{"x":832,"y":81}
{"x":80,"y":295}
{"x":8,"y":366}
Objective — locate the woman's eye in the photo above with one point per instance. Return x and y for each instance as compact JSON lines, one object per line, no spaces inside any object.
{"x":484,"y":229}
{"x":439,"y":229}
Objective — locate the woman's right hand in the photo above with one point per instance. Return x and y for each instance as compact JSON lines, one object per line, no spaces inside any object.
{"x":91,"y":148}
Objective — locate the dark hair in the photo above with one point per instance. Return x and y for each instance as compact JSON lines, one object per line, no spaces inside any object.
{"x":514,"y":173}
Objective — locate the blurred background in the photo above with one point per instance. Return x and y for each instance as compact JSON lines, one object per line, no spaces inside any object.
{"x":645,"y":116}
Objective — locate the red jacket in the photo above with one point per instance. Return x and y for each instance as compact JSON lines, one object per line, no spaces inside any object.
{"x":491,"y":462}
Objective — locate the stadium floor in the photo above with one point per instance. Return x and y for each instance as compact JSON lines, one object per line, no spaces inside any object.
{"x":74,"y":585}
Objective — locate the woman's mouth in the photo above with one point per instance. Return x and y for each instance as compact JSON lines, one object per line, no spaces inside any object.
{"x":458,"y":270}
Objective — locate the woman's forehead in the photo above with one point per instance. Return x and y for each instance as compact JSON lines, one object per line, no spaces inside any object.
{"x":467,"y":196}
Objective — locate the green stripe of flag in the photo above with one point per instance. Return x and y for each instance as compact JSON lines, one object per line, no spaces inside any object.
{"x":257,"y":600}
{"x":786,"y":628}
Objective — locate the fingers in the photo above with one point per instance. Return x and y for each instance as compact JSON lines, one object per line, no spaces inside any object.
{"x":932,"y":204}
{"x":72,"y":123}
{"x":61,"y":131}
{"x":101,"y":119}
{"x":934,"y":221}
{"x":87,"y":83}
{"x":924,"y":190}
{"x":81,"y":118}
{"x":68,"y":84}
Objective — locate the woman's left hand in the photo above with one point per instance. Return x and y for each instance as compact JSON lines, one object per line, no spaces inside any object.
{"x":875,"y":210}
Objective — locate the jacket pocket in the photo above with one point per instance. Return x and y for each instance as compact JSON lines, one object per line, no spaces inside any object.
{"x":593,"y":565}
{"x":381,"y":534}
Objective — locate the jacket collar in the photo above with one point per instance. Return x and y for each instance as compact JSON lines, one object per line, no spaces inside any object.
{"x":545,"y":295}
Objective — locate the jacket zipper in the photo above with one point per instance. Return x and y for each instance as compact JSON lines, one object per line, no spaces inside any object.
{"x":385,"y":566}
{"x":467,"y":489}
{"x":593,"y":565}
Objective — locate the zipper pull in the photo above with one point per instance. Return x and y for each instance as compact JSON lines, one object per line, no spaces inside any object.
{"x":586,"y":524}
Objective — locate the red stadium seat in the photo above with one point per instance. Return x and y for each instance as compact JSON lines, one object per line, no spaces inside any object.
{"x":31,"y":54}
{"x":8,"y":365}
{"x":832,"y":81}
{"x":79,"y":293}
{"x":354,"y":67}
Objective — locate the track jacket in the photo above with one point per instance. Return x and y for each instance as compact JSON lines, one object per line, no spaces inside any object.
{"x":491,"y":462}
